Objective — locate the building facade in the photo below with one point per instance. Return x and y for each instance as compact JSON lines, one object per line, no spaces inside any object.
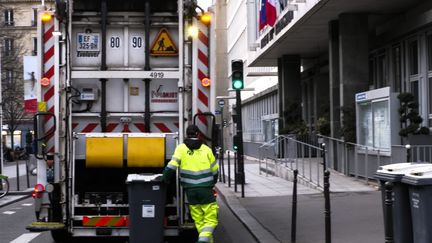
{"x":18,"y":38}
{"x":327,"y":51}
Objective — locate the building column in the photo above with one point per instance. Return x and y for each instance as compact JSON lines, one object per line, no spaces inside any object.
{"x":289,"y":88}
{"x":349,"y":70}
{"x":334,"y":80}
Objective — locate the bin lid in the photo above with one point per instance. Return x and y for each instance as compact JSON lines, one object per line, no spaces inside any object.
{"x":142,"y":177}
{"x":395,"y":172}
{"x":421,"y":176}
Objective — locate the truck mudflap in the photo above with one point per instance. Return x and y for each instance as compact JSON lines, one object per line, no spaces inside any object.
{"x":45,"y":226}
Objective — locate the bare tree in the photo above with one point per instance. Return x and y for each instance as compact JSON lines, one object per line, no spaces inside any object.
{"x":12,"y":50}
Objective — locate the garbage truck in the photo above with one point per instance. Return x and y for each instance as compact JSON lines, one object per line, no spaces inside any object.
{"x":117,"y":83}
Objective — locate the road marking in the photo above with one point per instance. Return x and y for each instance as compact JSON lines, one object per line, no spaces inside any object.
{"x":26,"y":204}
{"x":16,"y":208}
{"x":9,"y":212}
{"x":25,"y":238}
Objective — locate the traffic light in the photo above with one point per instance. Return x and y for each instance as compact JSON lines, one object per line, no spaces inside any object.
{"x":236,"y":142}
{"x":237,"y":74}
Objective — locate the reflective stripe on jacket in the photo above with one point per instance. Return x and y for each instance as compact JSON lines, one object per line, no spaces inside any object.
{"x":197,"y":167}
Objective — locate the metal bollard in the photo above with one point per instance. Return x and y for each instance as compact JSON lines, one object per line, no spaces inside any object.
{"x":229,"y":169}
{"x":408,"y":150}
{"x":388,"y":224}
{"x":27,"y":172}
{"x":235,"y":172}
{"x":223,"y":165}
{"x":17,"y":175}
{"x":327,"y":206}
{"x":294,"y":209}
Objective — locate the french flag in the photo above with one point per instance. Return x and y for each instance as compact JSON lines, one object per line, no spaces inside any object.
{"x":268,"y":13}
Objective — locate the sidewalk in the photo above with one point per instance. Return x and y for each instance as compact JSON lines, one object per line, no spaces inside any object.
{"x":266,"y":209}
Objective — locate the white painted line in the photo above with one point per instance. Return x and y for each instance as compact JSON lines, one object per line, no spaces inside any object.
{"x":27,"y":204}
{"x":25,"y":238}
{"x":9,"y":212}
{"x":16,"y":208}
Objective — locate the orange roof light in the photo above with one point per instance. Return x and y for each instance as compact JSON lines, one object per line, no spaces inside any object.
{"x":46,"y":16}
{"x":206,"y":18}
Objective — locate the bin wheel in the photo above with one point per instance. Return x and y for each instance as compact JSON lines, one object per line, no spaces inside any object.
{"x":61,"y":236}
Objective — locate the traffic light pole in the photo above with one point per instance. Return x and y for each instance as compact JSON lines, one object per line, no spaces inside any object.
{"x":239,"y":133}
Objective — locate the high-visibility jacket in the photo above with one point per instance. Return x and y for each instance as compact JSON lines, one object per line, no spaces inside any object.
{"x":198,"y":167}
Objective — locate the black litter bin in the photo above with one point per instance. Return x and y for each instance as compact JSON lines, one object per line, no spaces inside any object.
{"x":420,"y":193}
{"x":146,"y":208}
{"x":402,"y":224}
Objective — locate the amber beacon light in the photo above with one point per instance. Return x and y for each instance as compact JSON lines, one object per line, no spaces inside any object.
{"x":46,"y":16}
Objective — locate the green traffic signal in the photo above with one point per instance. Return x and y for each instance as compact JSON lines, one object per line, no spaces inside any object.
{"x":237,"y":84}
{"x":237,"y":81}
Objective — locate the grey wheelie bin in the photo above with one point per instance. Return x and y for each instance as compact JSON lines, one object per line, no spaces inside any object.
{"x":402,"y":225}
{"x":146,"y":208}
{"x":420,"y":194}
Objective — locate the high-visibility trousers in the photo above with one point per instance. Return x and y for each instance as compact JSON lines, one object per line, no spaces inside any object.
{"x":205,"y":217}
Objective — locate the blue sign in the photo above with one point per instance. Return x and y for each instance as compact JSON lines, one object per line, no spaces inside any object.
{"x":361,"y":96}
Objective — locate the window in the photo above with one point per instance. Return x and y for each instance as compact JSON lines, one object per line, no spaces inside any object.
{"x":397,"y":68}
{"x":9,"y":76}
{"x":8,"y":47}
{"x":415,"y":89}
{"x":34,"y":17}
{"x":8,"y":17}
{"x":429,"y":72}
{"x":34,"y":46}
{"x":429,"y":51}
{"x":413,"y":57}
{"x":378,"y":71}
{"x":381,"y":71}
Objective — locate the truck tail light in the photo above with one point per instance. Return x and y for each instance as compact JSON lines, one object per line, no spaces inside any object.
{"x":38,"y":190}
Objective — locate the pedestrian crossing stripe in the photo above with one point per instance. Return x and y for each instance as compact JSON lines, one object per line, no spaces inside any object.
{"x":9,"y":212}
{"x":163,"y":45}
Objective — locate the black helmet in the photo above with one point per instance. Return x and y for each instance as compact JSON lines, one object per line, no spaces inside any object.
{"x":192,"y":131}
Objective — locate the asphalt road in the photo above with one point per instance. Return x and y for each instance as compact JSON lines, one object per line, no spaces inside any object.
{"x":15,"y":217}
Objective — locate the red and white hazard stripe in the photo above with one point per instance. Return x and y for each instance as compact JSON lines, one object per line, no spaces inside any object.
{"x":134,"y":127}
{"x":48,"y":93}
{"x":201,"y":71}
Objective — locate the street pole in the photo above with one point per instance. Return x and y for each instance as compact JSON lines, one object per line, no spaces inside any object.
{"x":240,"y":153}
{"x":222,"y":145}
{"x":1,"y":121}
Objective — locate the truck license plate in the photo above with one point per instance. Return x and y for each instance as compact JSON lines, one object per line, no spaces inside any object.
{"x":88,"y":41}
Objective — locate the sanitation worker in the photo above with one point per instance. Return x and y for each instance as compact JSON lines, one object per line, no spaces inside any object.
{"x":198,"y":175}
